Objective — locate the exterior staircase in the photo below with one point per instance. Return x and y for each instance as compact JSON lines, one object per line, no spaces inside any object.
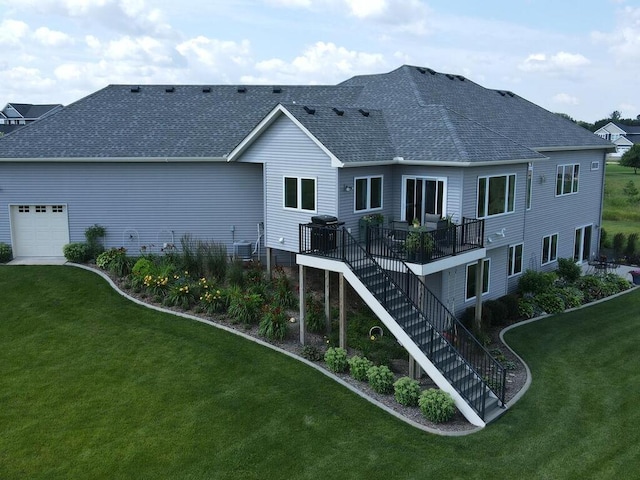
{"x":454,"y":359}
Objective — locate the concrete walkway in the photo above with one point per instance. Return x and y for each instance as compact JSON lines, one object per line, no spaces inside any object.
{"x":38,"y":261}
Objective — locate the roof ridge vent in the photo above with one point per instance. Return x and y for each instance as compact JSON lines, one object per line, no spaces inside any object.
{"x":206,"y":89}
{"x":363,"y":112}
{"x":309,"y":110}
{"x":277,"y":90}
{"x":242,"y":89}
{"x":170,"y":89}
{"x":135,"y":89}
{"x":338,"y":111}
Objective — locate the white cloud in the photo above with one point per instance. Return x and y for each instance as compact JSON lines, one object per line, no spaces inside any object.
{"x":12,"y":32}
{"x":367,"y":8}
{"x":565,"y":99}
{"x":51,"y":38}
{"x":560,"y":62}
{"x":214,"y":53}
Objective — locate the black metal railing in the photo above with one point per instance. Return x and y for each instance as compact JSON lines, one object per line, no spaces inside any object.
{"x":419,"y":245}
{"x":466,"y":364}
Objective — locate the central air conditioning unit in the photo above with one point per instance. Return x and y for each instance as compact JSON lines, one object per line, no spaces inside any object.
{"x":242,"y":250}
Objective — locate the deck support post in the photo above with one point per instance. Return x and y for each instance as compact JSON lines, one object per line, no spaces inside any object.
{"x":301,"y":302}
{"x":343,"y":314}
{"x":269,"y":262}
{"x":327,"y":306}
{"x":479,"y":281}
{"x":415,"y":372}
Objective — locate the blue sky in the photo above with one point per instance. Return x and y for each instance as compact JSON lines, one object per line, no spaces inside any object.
{"x":580,"y":58}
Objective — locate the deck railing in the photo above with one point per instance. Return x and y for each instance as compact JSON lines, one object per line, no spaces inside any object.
{"x":436,"y":330}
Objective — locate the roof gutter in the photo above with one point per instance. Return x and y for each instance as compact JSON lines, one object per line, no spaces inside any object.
{"x":115,"y":159}
{"x":565,"y":148}
{"x":402,"y":161}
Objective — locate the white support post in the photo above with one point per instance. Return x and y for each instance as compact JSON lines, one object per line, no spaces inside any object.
{"x":479,"y":281}
{"x":343,"y":314}
{"x":302,"y":303}
{"x":327,"y":306}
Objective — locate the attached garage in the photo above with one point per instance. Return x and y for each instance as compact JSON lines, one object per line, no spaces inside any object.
{"x":39,"y":230}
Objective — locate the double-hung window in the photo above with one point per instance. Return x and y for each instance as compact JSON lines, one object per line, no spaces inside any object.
{"x":515,"y":259}
{"x":470,"y":292}
{"x":368,"y":193}
{"x":549,"y":249}
{"x":567,"y":179}
{"x":300,"y":193}
{"x":496,"y":195}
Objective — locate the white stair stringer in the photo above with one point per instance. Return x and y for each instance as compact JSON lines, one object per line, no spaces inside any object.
{"x":407,"y":342}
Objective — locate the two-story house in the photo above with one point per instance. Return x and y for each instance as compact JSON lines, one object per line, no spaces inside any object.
{"x":15,"y":115}
{"x":622,"y":136}
{"x":517,"y":186}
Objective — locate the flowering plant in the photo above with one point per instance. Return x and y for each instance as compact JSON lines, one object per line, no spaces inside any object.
{"x":376,"y":218}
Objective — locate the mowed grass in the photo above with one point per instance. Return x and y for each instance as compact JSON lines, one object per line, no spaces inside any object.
{"x":94,"y":386}
{"x":620,"y":215}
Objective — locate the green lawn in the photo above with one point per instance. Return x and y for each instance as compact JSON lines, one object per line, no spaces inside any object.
{"x":94,"y":386}
{"x":619,"y":215}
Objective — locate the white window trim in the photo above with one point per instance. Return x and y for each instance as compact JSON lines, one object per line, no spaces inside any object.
{"x":512,"y":257}
{"x":582,"y":237}
{"x":506,"y":200}
{"x":595,"y":165}
{"x":355,"y":191}
{"x":550,"y":243}
{"x":529,"y":187}
{"x":487,"y":268}
{"x":299,"y":199}
{"x":564,"y":166}
{"x":403,"y":198}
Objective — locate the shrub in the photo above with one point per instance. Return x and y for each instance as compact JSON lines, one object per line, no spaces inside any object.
{"x":6,"y":254}
{"x":283,"y":293}
{"x":336,"y":359}
{"x":115,"y":260}
{"x":568,"y":270}
{"x":235,"y":273}
{"x":244,"y":307}
{"x":274,"y":323}
{"x":619,"y":241}
{"x":358,"y":367}
{"x":380,"y":379}
{"x":94,"y":235}
{"x":142,"y":267}
{"x":526,"y":308}
{"x":212,"y":300}
{"x":536,"y":282}
{"x":604,"y":241}
{"x":315,"y":315}
{"x":212,"y":259}
{"x":499,"y":312}
{"x":618,"y":284}
{"x":572,"y":296}
{"x":180,"y":295}
{"x":592,"y":286}
{"x":632,"y":245}
{"x":550,"y":302}
{"x":436,"y":405}
{"x":510,"y":301}
{"x":311,"y":352}
{"x":157,"y":285}
{"x":77,"y":252}
{"x":406,"y":391}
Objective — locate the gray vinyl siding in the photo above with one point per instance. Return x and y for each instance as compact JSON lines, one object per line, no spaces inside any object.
{"x":153,"y":202}
{"x":286,"y":151}
{"x":562,"y":215}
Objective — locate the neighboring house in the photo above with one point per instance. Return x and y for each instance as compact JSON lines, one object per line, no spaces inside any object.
{"x":15,"y":115}
{"x":248,"y":165}
{"x":622,"y":136}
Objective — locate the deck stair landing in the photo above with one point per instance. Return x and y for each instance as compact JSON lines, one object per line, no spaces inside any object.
{"x":439,"y":343}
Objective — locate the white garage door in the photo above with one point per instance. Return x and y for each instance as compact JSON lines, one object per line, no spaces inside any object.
{"x":39,"y":230}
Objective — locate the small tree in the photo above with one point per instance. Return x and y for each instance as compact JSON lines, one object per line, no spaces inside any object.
{"x":631,"y":158}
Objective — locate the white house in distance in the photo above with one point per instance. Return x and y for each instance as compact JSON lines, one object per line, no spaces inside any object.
{"x":622,"y":136}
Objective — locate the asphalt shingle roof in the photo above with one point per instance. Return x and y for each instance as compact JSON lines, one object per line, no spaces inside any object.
{"x":413,"y":114}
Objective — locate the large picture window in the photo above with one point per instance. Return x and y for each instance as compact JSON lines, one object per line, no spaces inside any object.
{"x":471,"y":279}
{"x":368,"y":193}
{"x":549,"y":249}
{"x":515,"y":259}
{"x":300,"y":193}
{"x":567,"y":179}
{"x":496,"y":195}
